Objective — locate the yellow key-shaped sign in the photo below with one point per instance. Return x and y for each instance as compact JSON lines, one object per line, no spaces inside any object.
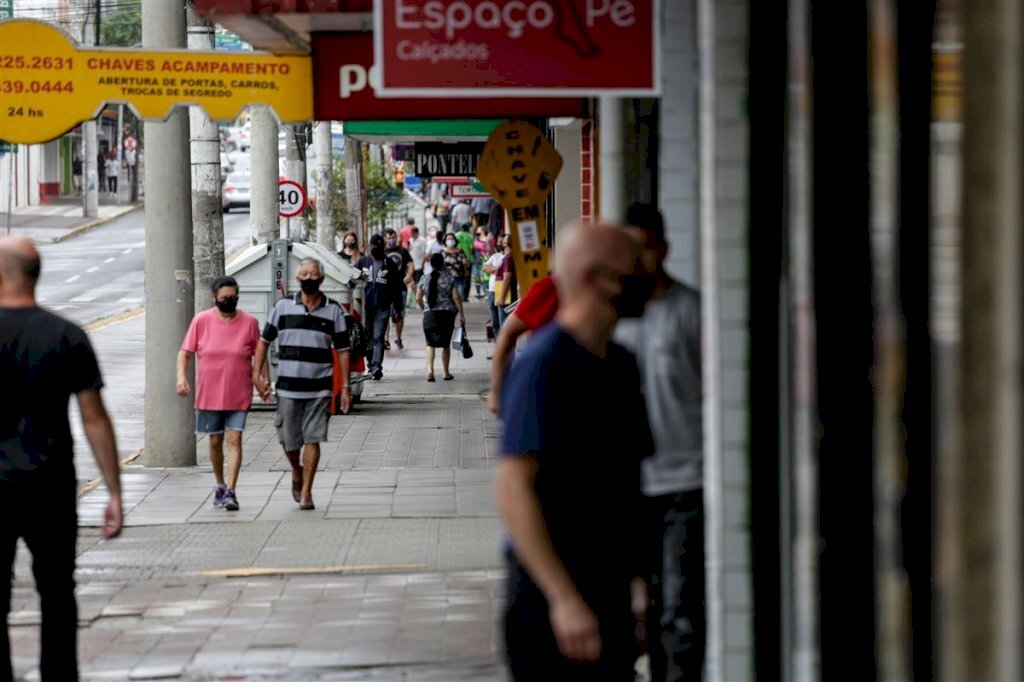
{"x":518,"y":166}
{"x":48,"y":86}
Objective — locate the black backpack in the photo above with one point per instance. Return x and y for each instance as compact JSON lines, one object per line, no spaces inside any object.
{"x":360,"y":341}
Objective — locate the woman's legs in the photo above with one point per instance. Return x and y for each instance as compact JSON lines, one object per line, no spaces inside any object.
{"x":430,"y":361}
{"x":446,"y":357}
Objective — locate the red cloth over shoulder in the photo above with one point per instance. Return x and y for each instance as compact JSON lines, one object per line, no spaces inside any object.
{"x":539,"y":305}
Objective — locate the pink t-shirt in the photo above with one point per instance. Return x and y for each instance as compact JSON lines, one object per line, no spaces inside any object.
{"x":224,"y":352}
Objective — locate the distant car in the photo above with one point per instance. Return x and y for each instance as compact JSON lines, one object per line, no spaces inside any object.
{"x":236,"y":191}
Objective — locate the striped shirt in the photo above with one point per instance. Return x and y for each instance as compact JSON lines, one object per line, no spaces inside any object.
{"x":305,"y":366}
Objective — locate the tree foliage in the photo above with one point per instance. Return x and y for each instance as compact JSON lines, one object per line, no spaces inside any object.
{"x":122,"y":27}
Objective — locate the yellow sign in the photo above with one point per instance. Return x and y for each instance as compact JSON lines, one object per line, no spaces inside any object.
{"x":48,"y":86}
{"x":519,"y":166}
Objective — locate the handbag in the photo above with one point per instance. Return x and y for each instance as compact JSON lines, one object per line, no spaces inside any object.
{"x":467,"y":350}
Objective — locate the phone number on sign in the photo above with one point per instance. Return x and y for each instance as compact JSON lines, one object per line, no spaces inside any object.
{"x":22,"y":62}
{"x":35,"y":87}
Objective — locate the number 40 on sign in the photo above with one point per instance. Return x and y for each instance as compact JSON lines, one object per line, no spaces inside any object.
{"x":291,"y":198}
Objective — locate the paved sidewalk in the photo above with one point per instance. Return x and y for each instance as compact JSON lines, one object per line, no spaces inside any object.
{"x":62,"y":218}
{"x":396,"y":575}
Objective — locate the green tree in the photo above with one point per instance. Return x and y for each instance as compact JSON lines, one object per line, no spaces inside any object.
{"x":382,"y":197}
{"x":123,"y":26}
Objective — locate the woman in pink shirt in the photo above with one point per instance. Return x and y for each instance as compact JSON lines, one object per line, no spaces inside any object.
{"x":224,"y":339}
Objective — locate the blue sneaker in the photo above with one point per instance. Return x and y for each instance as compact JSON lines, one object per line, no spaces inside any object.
{"x":218,"y":496}
{"x":230,"y":501}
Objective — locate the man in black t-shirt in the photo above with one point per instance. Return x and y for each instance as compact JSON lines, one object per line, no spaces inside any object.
{"x":44,"y":360}
{"x":403,"y":259}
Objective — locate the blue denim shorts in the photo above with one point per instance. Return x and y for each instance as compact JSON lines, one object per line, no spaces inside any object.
{"x":219,"y":421}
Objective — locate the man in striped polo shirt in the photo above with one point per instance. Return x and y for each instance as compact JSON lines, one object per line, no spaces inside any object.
{"x":305,"y":325}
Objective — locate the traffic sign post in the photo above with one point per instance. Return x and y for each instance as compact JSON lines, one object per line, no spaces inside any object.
{"x":291,"y":201}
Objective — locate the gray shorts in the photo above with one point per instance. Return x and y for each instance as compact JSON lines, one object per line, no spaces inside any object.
{"x":301,"y":420}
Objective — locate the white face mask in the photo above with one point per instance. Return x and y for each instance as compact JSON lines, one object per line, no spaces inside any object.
{"x":450,"y":243}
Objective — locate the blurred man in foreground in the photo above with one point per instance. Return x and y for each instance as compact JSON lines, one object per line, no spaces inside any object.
{"x":569,"y":492}
{"x":44,"y":360}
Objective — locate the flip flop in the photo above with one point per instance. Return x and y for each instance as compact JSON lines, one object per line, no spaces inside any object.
{"x":308,"y":504}
{"x":296,"y":487}
{"x":430,"y":377}
{"x":448,"y":377}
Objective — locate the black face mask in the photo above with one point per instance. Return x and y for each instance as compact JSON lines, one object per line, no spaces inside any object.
{"x":377,"y":252}
{"x":310,"y":286}
{"x":637,"y":290}
{"x":350,"y":245}
{"x":227,"y":305}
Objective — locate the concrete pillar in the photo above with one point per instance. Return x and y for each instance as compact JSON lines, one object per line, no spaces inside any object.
{"x":988,"y":618}
{"x":170,"y":423}
{"x":611,"y":167}
{"x":295,"y":170}
{"x":354,"y":188}
{"x":324,"y":190}
{"x":263,"y":181}
{"x":207,"y":211}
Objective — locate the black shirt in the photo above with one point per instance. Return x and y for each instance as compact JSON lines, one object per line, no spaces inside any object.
{"x":44,"y":359}
{"x":400,"y":255}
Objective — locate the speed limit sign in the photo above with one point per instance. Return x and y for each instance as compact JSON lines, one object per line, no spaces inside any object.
{"x":291,"y":199}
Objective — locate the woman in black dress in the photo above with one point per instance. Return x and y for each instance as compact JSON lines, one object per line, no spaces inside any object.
{"x":438,"y":298}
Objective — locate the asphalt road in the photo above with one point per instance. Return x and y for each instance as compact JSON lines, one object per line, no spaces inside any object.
{"x":101,"y":273}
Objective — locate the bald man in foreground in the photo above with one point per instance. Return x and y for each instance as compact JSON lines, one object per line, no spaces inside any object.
{"x":569,"y":486}
{"x":44,"y":359}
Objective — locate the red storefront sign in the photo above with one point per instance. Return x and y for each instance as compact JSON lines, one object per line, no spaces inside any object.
{"x":474,"y":48}
{"x":228,"y":7}
{"x":344,"y":90}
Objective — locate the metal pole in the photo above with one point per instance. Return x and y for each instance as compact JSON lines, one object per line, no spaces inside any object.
{"x":119,"y":141}
{"x":264,"y":223}
{"x":170,"y":441}
{"x":207,"y":211}
{"x":91,"y":171}
{"x":324,"y":185}
{"x":714,"y":503}
{"x":611,"y":166}
{"x":802,"y":661}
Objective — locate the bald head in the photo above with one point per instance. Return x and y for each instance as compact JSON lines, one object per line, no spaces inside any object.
{"x":586,"y":249}
{"x":19,"y":265}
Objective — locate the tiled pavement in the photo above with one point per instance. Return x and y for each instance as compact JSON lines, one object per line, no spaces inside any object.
{"x":395,"y":576}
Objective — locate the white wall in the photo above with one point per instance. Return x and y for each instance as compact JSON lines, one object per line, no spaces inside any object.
{"x":678,"y":198}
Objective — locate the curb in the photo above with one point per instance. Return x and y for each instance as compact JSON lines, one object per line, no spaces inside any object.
{"x":82,"y":229}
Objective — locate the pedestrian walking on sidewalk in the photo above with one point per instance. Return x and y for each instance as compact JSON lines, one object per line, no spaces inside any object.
{"x":403,"y":260}
{"x":306,"y":326}
{"x":569,"y":490}
{"x":44,"y":360}
{"x":113,"y":166}
{"x":224,"y":339}
{"x":666,"y":342}
{"x":382,"y":284}
{"x":438,"y":298}
{"x":76,"y":174}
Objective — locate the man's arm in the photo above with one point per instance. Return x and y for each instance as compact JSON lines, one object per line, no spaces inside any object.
{"x":572,"y":621}
{"x":100,"y":434}
{"x":510,"y":331}
{"x":182,"y":388}
{"x":346,"y":391}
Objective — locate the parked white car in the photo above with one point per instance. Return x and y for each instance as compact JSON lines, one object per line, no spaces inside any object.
{"x":236,"y":192}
